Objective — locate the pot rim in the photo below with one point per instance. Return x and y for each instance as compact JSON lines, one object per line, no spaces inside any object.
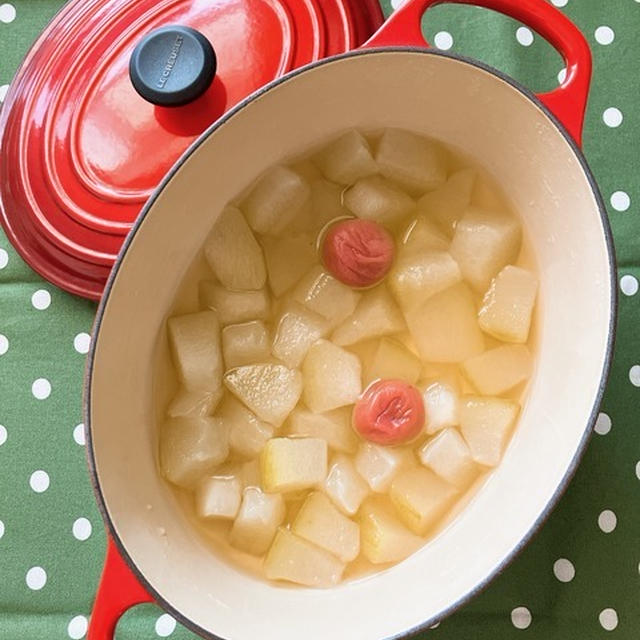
{"x":588,"y":431}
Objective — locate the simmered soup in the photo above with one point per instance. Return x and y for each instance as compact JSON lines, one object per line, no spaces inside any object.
{"x":356,"y":362}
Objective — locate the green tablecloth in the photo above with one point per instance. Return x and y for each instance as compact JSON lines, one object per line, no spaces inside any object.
{"x":580,"y":577}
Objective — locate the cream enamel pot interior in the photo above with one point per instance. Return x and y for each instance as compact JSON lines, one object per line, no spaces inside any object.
{"x":502,"y":127}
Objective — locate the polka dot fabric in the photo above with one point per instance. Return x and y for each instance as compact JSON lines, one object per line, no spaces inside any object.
{"x":579,"y":578}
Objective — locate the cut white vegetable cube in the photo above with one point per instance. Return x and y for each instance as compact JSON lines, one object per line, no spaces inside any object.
{"x":486,"y":424}
{"x":218,"y":497}
{"x":417,"y":276}
{"x":271,"y":391}
{"x":378,"y":465}
{"x":376,"y":315}
{"x":383,"y":538}
{"x":508,"y":305}
{"x":483,"y":243}
{"x":291,"y":464}
{"x":297,"y":329}
{"x":191,"y":447}
{"x":441,"y":405}
{"x":294,"y":559}
{"x":448,"y":455}
{"x":391,"y":360}
{"x":245,"y":343}
{"x":247,"y":433}
{"x":234,"y":254}
{"x":411,"y":160}
{"x":421,"y":498}
{"x":344,"y":485}
{"x":234,"y":306}
{"x":275,"y":200}
{"x":445,"y":328}
{"x":377,"y":199}
{"x":498,"y":370}
{"x":195,"y":345}
{"x":250,"y":474}
{"x":423,"y":235}
{"x":334,"y":427}
{"x":347,"y":159}
{"x":288,"y":258}
{"x":322,"y":293}
{"x":257,"y":521}
{"x":332,"y":377}
{"x":194,"y":403}
{"x":318,"y":521}
{"x":447,"y":204}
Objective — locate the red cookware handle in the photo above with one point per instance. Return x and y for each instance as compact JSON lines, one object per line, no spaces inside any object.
{"x":567,"y":102}
{"x":118,"y":591}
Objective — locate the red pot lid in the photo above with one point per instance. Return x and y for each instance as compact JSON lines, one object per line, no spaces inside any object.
{"x":82,"y":149}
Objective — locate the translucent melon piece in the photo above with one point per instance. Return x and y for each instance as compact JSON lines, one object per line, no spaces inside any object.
{"x":441,"y":404}
{"x":233,"y":307}
{"x":391,"y":360}
{"x":250,"y":474}
{"x":445,"y":328}
{"x":296,"y":560}
{"x":421,"y":498}
{"x":326,"y":203}
{"x":195,"y":344}
{"x":194,"y":403}
{"x":334,"y":427}
{"x":383,"y":538}
{"x":447,"y":204}
{"x":331,"y":377}
{"x":508,"y":305}
{"x":498,"y":370}
{"x":218,"y":497}
{"x":417,"y":276}
{"x":275,"y":200}
{"x":191,"y":447}
{"x":322,"y":293}
{"x":271,"y":391}
{"x":378,"y":199}
{"x":288,"y":258}
{"x":378,"y":465}
{"x":297,"y":329}
{"x":319,"y":522}
{"x":423,"y":235}
{"x":486,"y":424}
{"x":347,"y":159}
{"x":448,"y":455}
{"x":234,"y":254}
{"x":376,"y":315}
{"x":448,"y":374}
{"x":257,"y":521}
{"x":412,"y":161}
{"x":344,"y":485}
{"x":291,"y":464}
{"x":247,"y":433}
{"x":483,"y":243}
{"x":245,"y":343}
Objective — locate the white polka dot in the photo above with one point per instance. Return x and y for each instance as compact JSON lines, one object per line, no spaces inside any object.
{"x":77,"y":627}
{"x":634,"y":375}
{"x":78,"y":434}
{"x":604,"y":35}
{"x":629,"y":285}
{"x":4,"y":88}
{"x":3,"y":434}
{"x":564,"y":570}
{"x":608,"y":619}
{"x":4,"y":256}
{"x":443,"y":40}
{"x":41,"y":388}
{"x":521,"y":617}
{"x":4,"y":344}
{"x":7,"y":13}
{"x":562,"y":75}
{"x":524,"y":36}
{"x":638,"y":469}
{"x":559,"y":3}
{"x":1,"y":529}
{"x":620,"y":200}
{"x":603,"y":424}
{"x":607,"y":521}
{"x":82,"y":529}
{"x":165,"y":625}
{"x":36,"y":578}
{"x":396,"y":4}
{"x":39,"y":481}
{"x":612,"y":117}
{"x":41,"y":299}
{"x":82,"y":342}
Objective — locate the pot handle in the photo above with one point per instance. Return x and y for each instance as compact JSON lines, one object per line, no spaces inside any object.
{"x":119,"y":590}
{"x":567,"y":102}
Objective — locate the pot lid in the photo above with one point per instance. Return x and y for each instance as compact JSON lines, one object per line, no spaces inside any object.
{"x":112,"y":94}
